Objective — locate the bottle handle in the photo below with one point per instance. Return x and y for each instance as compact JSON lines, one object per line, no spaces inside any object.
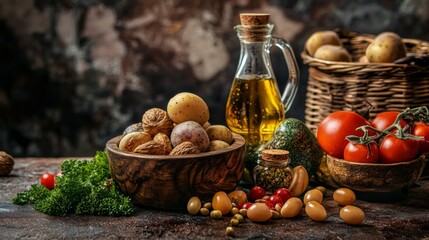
{"x":292,"y":84}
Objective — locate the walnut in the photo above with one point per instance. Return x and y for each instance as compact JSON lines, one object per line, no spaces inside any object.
{"x":156,"y":120}
{"x":164,"y":139}
{"x":151,"y":148}
{"x":6,"y":163}
{"x":185,"y":148}
{"x":133,"y":139}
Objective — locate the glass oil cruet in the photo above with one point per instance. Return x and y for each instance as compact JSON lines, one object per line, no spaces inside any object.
{"x":255,"y":106}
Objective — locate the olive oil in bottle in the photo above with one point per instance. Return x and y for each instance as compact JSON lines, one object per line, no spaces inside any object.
{"x":254,"y":108}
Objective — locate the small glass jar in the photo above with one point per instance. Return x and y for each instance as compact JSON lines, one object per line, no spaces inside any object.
{"x":273,"y":170}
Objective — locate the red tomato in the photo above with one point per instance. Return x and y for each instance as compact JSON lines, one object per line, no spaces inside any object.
{"x":394,"y":150}
{"x":246,"y":205}
{"x":284,"y":193}
{"x":238,"y":196}
{"x":361,"y":153}
{"x":422,"y":130}
{"x":385,"y":119}
{"x":270,"y":205}
{"x":274,"y":199}
{"x":256,"y":192}
{"x":334,"y":129}
{"x":48,"y":180}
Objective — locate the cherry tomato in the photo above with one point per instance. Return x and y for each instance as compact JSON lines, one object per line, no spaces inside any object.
{"x":256,"y":192}
{"x":394,"y":150}
{"x":270,"y":205}
{"x":333,"y":130}
{"x":274,"y":199}
{"x":246,"y":205}
{"x":284,"y":193}
{"x":422,"y":130}
{"x":238,"y":196}
{"x":48,"y":180}
{"x":385,"y":119}
{"x":361,"y":153}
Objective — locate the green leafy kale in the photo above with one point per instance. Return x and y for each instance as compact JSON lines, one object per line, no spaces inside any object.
{"x":83,"y":189}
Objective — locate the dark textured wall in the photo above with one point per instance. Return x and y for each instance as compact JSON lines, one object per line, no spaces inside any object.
{"x":75,"y":73}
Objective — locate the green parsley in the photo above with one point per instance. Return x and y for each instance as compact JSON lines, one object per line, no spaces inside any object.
{"x":81,"y":189}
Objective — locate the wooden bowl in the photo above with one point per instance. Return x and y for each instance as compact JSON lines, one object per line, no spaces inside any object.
{"x":169,"y":181}
{"x":375,"y":177}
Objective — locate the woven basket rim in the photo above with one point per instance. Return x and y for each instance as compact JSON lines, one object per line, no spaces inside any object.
{"x":307,"y":59}
{"x":350,"y":34}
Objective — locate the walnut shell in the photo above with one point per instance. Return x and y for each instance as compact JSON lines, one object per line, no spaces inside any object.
{"x":164,"y":139}
{"x":133,"y":139}
{"x":156,"y":121}
{"x":151,"y":148}
{"x":185,"y":148}
{"x":6,"y":163}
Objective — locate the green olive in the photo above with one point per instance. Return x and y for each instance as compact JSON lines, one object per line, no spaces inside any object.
{"x":243,"y":212}
{"x":216,"y":214}
{"x":234,"y":222}
{"x":208,"y":205}
{"x":234,"y":211}
{"x":194,"y":205}
{"x":230,"y":231}
{"x":204,"y":211}
{"x":239,"y":217}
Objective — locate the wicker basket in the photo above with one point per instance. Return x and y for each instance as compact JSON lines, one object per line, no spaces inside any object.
{"x":334,"y":86}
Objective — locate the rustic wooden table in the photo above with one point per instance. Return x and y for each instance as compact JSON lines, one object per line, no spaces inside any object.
{"x":404,"y":218}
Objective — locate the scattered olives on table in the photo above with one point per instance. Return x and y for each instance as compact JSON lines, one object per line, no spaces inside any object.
{"x":265,"y":207}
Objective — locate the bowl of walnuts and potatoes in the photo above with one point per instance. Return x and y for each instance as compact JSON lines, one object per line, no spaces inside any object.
{"x":174,"y":154}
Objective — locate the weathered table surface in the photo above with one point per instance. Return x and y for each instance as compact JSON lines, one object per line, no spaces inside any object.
{"x":406,"y":218}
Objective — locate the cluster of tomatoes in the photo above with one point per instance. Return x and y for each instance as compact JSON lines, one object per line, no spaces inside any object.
{"x":388,"y":144}
{"x":279,"y":196}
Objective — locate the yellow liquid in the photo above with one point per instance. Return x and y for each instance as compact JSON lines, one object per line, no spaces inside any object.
{"x":254,"y":109}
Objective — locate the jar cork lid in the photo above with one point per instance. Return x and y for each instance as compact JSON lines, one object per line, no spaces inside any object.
{"x":254,"y":19}
{"x":275,"y":155}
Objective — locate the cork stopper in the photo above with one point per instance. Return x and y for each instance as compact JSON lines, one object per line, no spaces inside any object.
{"x":254,"y":19}
{"x":275,"y":155}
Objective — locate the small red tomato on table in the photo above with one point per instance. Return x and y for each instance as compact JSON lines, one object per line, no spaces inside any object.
{"x":256,"y":192}
{"x":48,"y":180}
{"x":275,"y":199}
{"x":246,"y":205}
{"x":284,"y":193}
